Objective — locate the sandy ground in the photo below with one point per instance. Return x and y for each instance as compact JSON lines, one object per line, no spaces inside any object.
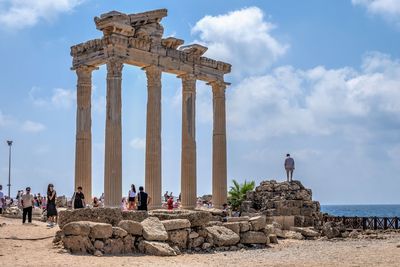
{"x":17,"y":252}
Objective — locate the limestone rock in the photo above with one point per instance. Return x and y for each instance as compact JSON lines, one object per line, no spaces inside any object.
{"x":193,"y":234}
{"x":252,"y":237}
{"x":132,"y":227}
{"x":178,"y":238}
{"x":114,"y":246}
{"x":176,"y":224}
{"x":100,"y":230}
{"x":234,"y":226}
{"x":134,"y":215}
{"x":98,"y":253}
{"x":157,"y":249}
{"x":306,"y":232}
{"x":78,"y":244}
{"x":223,"y":236}
{"x":154,"y":230}
{"x":206,"y":246}
{"x":333,"y":229}
{"x":293,"y":235}
{"x":77,"y":228}
{"x":104,"y":215}
{"x":269,"y":229}
{"x":258,"y":223}
{"x":238,"y":219}
{"x":119,"y":232}
{"x":129,"y":244}
{"x":196,"y":218}
{"x":354,"y":234}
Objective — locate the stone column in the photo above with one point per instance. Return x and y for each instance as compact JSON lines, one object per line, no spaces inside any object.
{"x":113,"y":142}
{"x":219,"y":170}
{"x":83,"y":148}
{"x":153,"y":136}
{"x":188,"y":157}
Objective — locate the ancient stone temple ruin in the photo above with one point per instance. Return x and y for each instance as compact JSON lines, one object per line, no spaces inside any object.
{"x":137,"y":39}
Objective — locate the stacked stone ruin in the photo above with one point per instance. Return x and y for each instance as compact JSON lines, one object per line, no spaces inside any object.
{"x":283,"y":199}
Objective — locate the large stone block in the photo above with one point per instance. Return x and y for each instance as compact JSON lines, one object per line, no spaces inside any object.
{"x":238,"y":219}
{"x":258,"y":223}
{"x":119,"y":232}
{"x":134,"y":215}
{"x":176,"y":224}
{"x":244,"y":226}
{"x":103,"y":215}
{"x":252,"y":237}
{"x":77,"y":228}
{"x":154,"y":230}
{"x":114,"y":246}
{"x":132,"y":227}
{"x":100,"y":230}
{"x":223,"y":236}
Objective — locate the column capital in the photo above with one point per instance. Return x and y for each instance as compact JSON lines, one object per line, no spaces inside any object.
{"x":85,"y":69}
{"x":114,"y":68}
{"x":152,"y":68}
{"x":188,"y":77}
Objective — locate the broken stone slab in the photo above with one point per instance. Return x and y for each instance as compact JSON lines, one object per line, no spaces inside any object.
{"x":293,"y":235}
{"x":244,"y":226}
{"x":196,"y":218}
{"x":306,"y":232}
{"x":176,"y":224}
{"x":252,"y":237}
{"x":154,"y":230}
{"x":269,"y":229}
{"x":132,"y":227}
{"x":104,"y":215}
{"x":114,"y":246}
{"x":223,"y":236}
{"x":157,"y":248}
{"x":258,"y":222}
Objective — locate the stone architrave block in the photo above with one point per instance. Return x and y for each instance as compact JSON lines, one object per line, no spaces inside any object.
{"x":157,"y":248}
{"x":234,"y":226}
{"x":252,"y":237}
{"x":77,"y":228}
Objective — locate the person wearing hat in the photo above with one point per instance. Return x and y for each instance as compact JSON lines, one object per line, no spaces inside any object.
{"x":27,"y":204}
{"x":51,"y":205}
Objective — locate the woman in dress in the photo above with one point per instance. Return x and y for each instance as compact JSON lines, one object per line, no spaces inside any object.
{"x":132,"y":198}
{"x":51,"y":205}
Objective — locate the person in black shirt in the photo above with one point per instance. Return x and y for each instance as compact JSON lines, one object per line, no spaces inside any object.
{"x":51,"y":205}
{"x":143,"y":199}
{"x":79,"y":199}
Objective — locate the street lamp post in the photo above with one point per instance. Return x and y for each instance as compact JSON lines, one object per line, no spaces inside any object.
{"x":9,"y":142}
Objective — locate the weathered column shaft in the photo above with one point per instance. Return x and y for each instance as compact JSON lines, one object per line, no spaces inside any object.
{"x":153,"y":136}
{"x":83,"y":148}
{"x":113,"y":138}
{"x":188,"y":157}
{"x":219,"y":169}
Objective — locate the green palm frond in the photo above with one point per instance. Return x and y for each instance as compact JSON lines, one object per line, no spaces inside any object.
{"x":237,"y":193}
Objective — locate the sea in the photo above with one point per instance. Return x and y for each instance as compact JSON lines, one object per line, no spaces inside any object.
{"x":362,"y":210}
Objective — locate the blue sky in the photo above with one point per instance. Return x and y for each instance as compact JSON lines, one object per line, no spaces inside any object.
{"x":318,"y":79}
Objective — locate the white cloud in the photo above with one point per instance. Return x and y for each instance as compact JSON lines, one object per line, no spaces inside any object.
{"x":388,"y":9}
{"x":4,"y":120}
{"x":60,"y":98}
{"x":32,"y":127}
{"x":138,"y":143}
{"x":18,"y":14}
{"x":242,"y":38}
{"x":318,"y":101}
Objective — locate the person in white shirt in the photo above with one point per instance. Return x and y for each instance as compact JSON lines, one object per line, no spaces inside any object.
{"x":27,"y":204}
{"x":132,"y":198}
{"x":289,"y":167}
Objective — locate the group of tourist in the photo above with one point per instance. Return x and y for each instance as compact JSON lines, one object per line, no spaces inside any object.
{"x":136,"y":201}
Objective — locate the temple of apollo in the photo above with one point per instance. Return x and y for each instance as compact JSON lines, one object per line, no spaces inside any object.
{"x":137,"y":39}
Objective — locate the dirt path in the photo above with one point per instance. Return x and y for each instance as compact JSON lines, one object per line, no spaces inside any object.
{"x":288,"y":253}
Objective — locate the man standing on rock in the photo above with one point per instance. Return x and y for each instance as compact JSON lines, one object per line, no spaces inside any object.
{"x":289,"y":167}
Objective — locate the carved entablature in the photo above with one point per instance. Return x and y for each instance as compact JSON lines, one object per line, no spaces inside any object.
{"x":136,"y":39}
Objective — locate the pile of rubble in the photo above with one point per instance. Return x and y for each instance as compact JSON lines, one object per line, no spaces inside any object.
{"x":165,"y":233}
{"x":273,"y":199}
